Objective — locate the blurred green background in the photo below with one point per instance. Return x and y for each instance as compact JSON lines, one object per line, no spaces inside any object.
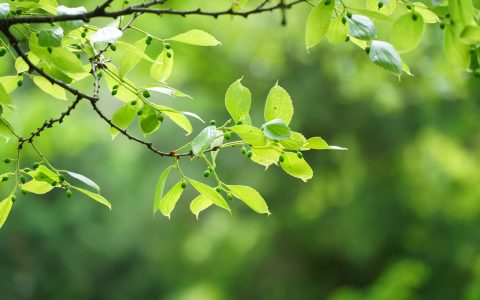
{"x":395,"y":217}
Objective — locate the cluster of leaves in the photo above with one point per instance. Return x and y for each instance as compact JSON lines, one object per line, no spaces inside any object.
{"x":355,"y":21}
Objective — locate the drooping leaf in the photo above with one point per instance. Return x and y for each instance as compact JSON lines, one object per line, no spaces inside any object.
{"x":168,"y":202}
{"x":276,"y":129}
{"x":278,"y":105}
{"x":456,"y":52}
{"x":129,"y":48}
{"x":362,"y":27}
{"x":338,"y":31}
{"x":318,"y":22}
{"x":49,"y":88}
{"x":124,"y":116}
{"x":199,"y":204}
{"x":296,"y":167}
{"x":407,"y":32}
{"x":384,"y":55}
{"x":162,"y":70}
{"x":84,"y":179}
{"x":237,"y":100}
{"x":160,"y":189}
{"x":5,"y":132}
{"x":5,"y":208}
{"x":196,"y":37}
{"x":250,"y":197}
{"x":210,"y":193}
{"x":51,"y":37}
{"x":317,"y":143}
{"x":166,"y":90}
{"x":179,"y":119}
{"x":203,"y":140}
{"x":37,"y":187}
{"x":131,"y":59}
{"x":428,"y":15}
{"x":148,"y":120}
{"x":251,"y":135}
{"x":94,"y":196}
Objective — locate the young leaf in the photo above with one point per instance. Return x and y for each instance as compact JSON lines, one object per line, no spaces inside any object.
{"x":296,"y":167}
{"x":470,"y":35}
{"x":21,"y":66}
{"x":203,"y":140}
{"x":109,"y":34}
{"x":160,"y":189}
{"x":179,"y":119}
{"x":131,"y":59}
{"x":316,"y":143}
{"x":266,"y":155}
{"x":278,"y":105}
{"x":237,"y":100}
{"x":384,"y":55}
{"x":168,"y":202}
{"x":251,"y":135}
{"x":95,"y":197}
{"x":37,"y":187}
{"x":362,"y":27}
{"x":124,"y":116}
{"x":296,"y":141}
{"x":4,"y":97}
{"x":5,"y":207}
{"x":250,"y":197}
{"x":60,"y":57}
{"x":199,"y":204}
{"x":210,"y":194}
{"x":148,"y":120}
{"x":162,"y":69}
{"x":317,"y":22}
{"x":129,"y":48}
{"x":84,"y":179}
{"x":51,"y":37}
{"x":196,"y":37}
{"x":337,"y":32}
{"x":276,"y":130}
{"x":49,"y":88}
{"x":10,"y":83}
{"x":4,"y":130}
{"x":456,"y":52}
{"x":407,"y":32}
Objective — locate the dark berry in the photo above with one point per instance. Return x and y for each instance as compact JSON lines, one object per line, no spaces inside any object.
{"x":183,"y":185}
{"x":146,"y":94}
{"x":206,"y":173}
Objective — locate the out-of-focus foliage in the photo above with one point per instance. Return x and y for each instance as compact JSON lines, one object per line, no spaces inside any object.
{"x":395,"y":217}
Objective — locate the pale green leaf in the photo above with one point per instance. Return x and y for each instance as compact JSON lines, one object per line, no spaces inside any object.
{"x":168,"y":202}
{"x":4,"y":97}
{"x":129,"y":48}
{"x":37,"y":187}
{"x":148,"y":120}
{"x":318,"y":22}
{"x":427,"y":15}
{"x":124,"y":116}
{"x":162,"y":69}
{"x":407,"y":32}
{"x":250,"y":197}
{"x":296,"y":141}
{"x":9,"y":83}
{"x":470,"y":35}
{"x":266,"y":155}
{"x":203,"y":140}
{"x":130,"y":59}
{"x":199,"y":204}
{"x":160,"y":188}
{"x":5,"y":207}
{"x":384,"y":55}
{"x":95,"y":197}
{"x":387,"y":9}
{"x":196,"y":37}
{"x":456,"y":52}
{"x":296,"y":167}
{"x":251,"y":135}
{"x":49,"y":88}
{"x":337,"y":32}
{"x":278,"y":105}
{"x":210,"y":193}
{"x":276,"y":129}
{"x":5,"y":131}
{"x":237,"y":100}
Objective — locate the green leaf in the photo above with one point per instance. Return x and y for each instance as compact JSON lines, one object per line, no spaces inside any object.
{"x":109,"y":34}
{"x":210,"y":193}
{"x":470,"y":35}
{"x":51,"y":37}
{"x":131,"y":59}
{"x":317,"y":143}
{"x":4,"y":97}
{"x":166,"y":90}
{"x":168,"y":202}
{"x":148,"y":120}
{"x":362,"y":27}
{"x":196,"y":37}
{"x":456,"y":52}
{"x":337,"y":32}
{"x":162,"y":69}
{"x":276,"y":130}
{"x":296,"y":141}
{"x":160,"y":189}
{"x":407,"y":32}
{"x":296,"y":167}
{"x":49,"y":88}
{"x":462,"y":14}
{"x":317,"y":22}
{"x":387,"y":9}
{"x":124,"y":116}
{"x":37,"y":187}
{"x":129,"y":48}
{"x":21,"y":66}
{"x":278,"y":105}
{"x":238,"y":100}
{"x":70,"y":25}
{"x":250,"y":197}
{"x":199,"y":204}
{"x":384,"y":55}
{"x":123,"y":93}
{"x":5,"y":207}
{"x":95,"y":197}
{"x":203,"y":140}
{"x":266,"y":155}
{"x":179,"y":119}
{"x":251,"y":135}
{"x":84,"y":179}
{"x":4,"y":129}
{"x":9,"y":83}
{"x":4,"y":11}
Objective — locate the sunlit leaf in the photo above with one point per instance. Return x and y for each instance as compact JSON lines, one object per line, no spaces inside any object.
{"x":237,"y":100}
{"x":384,"y":55}
{"x":317,"y":22}
{"x":124,"y":116}
{"x":407,"y":32}
{"x":168,"y":202}
{"x":251,"y":135}
{"x":95,"y":197}
{"x":276,"y":129}
{"x":84,"y":179}
{"x":160,"y":188}
{"x":5,"y":207}
{"x":52,"y":89}
{"x":250,"y":197}
{"x":199,"y":204}
{"x":278,"y":105}
{"x":362,"y":27}
{"x":196,"y":37}
{"x":210,"y":193}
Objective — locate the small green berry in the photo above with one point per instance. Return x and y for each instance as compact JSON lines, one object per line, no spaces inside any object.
{"x":20,"y":83}
{"x":380,"y":5}
{"x":23,"y":179}
{"x":299,"y":154}
{"x":442,"y":26}
{"x":168,"y":46}
{"x":61,"y":178}
{"x":344,"y":20}
{"x":414,"y":17}
{"x":367,"y":50}
{"x":169,"y":55}
{"x":133,"y":103}
{"x":54,"y":183}
{"x":477,"y":73}
{"x":227,"y":135}
{"x":125,"y":2}
{"x":244,"y":150}
{"x":160,"y":117}
{"x":115,"y":87}
{"x":2,"y":52}
{"x":83,"y":34}
{"x":347,"y":38}
{"x":206,"y":173}
{"x":49,"y":49}
{"x":100,"y":74}
{"x":327,"y":2}
{"x":113,"y":47}
{"x":213,"y":122}
{"x":5,"y":178}
{"x":218,"y":189}
{"x":114,"y":92}
{"x":146,"y":94}
{"x":349,"y":15}
{"x":409,"y":6}
{"x":239,"y":123}
{"x":148,"y":41}
{"x":7,"y":160}
{"x":14,"y":198}
{"x":27,"y":170}
{"x":24,"y":192}
{"x":140,"y":112}
{"x":69,"y":194}
{"x":230,"y":196}
{"x":19,"y":11}
{"x":183,"y":185}
{"x":249,"y":153}
{"x":35,"y":165}
{"x":281,"y":158}
{"x":78,"y":55}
